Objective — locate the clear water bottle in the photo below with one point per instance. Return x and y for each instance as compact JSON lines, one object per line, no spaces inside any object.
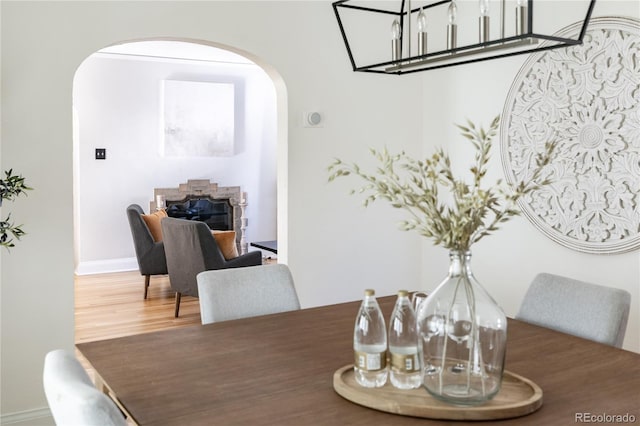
{"x":403,"y":345}
{"x":370,"y":344}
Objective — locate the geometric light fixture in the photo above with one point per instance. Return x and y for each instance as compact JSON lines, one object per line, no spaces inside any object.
{"x":405,"y":36}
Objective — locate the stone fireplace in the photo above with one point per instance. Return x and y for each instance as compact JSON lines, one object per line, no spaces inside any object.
{"x":220,"y":207}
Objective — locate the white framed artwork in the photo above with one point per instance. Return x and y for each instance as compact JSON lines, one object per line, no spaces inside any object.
{"x":197,"y":119}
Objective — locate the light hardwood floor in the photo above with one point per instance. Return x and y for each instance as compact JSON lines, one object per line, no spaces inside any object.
{"x":112,"y":305}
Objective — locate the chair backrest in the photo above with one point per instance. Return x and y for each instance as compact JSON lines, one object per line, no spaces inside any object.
{"x":228,"y":294}
{"x":190,"y":249}
{"x":149,"y":253}
{"x":582,"y":309}
{"x":72,"y":397}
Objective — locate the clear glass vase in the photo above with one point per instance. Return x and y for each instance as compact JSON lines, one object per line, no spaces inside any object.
{"x":463,"y":335}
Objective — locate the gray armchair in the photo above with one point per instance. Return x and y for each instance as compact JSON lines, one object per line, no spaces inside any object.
{"x":575,"y":307}
{"x":149,"y":253}
{"x":190,"y":249}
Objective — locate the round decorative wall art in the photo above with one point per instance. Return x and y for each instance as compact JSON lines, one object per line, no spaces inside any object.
{"x":587,"y":98}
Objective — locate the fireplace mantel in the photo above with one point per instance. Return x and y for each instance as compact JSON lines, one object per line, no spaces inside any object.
{"x":196,"y":188}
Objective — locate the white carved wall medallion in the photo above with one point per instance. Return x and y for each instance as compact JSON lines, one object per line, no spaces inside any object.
{"x":586,"y":97}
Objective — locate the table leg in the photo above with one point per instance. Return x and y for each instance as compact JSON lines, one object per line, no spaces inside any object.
{"x":104,"y":388}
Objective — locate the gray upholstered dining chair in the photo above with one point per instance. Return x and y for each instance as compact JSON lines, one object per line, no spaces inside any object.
{"x":575,"y":307}
{"x":149,"y":252}
{"x":246,"y":292}
{"x":72,"y":397}
{"x":190,"y":249}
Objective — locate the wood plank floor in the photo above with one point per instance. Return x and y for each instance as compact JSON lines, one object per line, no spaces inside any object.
{"x":112,"y":305}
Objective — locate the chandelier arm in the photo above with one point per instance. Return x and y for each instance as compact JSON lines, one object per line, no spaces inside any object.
{"x":403,"y":61}
{"x":586,"y":20}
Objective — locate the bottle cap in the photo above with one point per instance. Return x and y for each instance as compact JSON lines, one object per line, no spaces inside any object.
{"x":369,"y":292}
{"x":403,"y":293}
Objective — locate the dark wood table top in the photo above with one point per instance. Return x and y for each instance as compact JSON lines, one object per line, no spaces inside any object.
{"x":278,"y":370}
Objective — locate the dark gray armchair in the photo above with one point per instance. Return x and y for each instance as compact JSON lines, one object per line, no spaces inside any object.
{"x":190,"y":249}
{"x":150,"y":254}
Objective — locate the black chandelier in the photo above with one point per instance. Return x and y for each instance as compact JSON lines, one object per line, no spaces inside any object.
{"x":373,"y":23}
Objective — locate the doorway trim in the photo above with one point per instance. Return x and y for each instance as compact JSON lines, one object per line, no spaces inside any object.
{"x":281,"y":128}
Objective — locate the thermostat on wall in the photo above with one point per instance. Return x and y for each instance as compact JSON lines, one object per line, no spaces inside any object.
{"x":312,"y":119}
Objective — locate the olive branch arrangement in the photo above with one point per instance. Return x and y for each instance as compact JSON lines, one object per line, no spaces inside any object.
{"x":417,"y":186}
{"x":11,"y":187}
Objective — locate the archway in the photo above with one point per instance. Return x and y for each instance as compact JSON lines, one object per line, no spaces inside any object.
{"x":130,"y":133}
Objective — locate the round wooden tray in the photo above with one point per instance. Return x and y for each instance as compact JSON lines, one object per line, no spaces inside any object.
{"x":518,"y":396}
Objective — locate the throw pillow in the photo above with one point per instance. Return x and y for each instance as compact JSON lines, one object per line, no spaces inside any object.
{"x":153,"y":223}
{"x":227,"y":242}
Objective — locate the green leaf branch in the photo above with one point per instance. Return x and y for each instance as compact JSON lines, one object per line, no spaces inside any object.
{"x":11,"y":187}
{"x":7,"y":228}
{"x":453,"y":213}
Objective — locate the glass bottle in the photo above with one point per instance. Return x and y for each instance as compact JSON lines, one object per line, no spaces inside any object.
{"x":403,"y":345}
{"x":370,"y":343}
{"x":463,"y":334}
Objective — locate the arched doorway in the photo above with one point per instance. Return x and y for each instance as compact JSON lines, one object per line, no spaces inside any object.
{"x":117,"y":107}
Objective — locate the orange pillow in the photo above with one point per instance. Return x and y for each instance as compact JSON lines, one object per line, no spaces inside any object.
{"x":153,"y":223}
{"x":227,"y":242}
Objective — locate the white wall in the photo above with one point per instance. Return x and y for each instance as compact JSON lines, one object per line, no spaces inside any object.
{"x":118,"y":105}
{"x":336,"y":248}
{"x":506,"y":262}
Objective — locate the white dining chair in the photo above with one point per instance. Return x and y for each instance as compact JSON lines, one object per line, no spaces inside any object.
{"x":72,"y":397}
{"x":575,"y":307}
{"x":227,"y":294}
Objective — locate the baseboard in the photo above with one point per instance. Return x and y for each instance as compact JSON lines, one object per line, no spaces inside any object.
{"x":36,"y":417}
{"x":107,"y":266}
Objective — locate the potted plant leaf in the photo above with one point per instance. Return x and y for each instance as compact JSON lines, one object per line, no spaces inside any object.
{"x":11,"y":187}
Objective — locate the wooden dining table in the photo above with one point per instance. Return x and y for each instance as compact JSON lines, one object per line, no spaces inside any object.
{"x":278,"y":370}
